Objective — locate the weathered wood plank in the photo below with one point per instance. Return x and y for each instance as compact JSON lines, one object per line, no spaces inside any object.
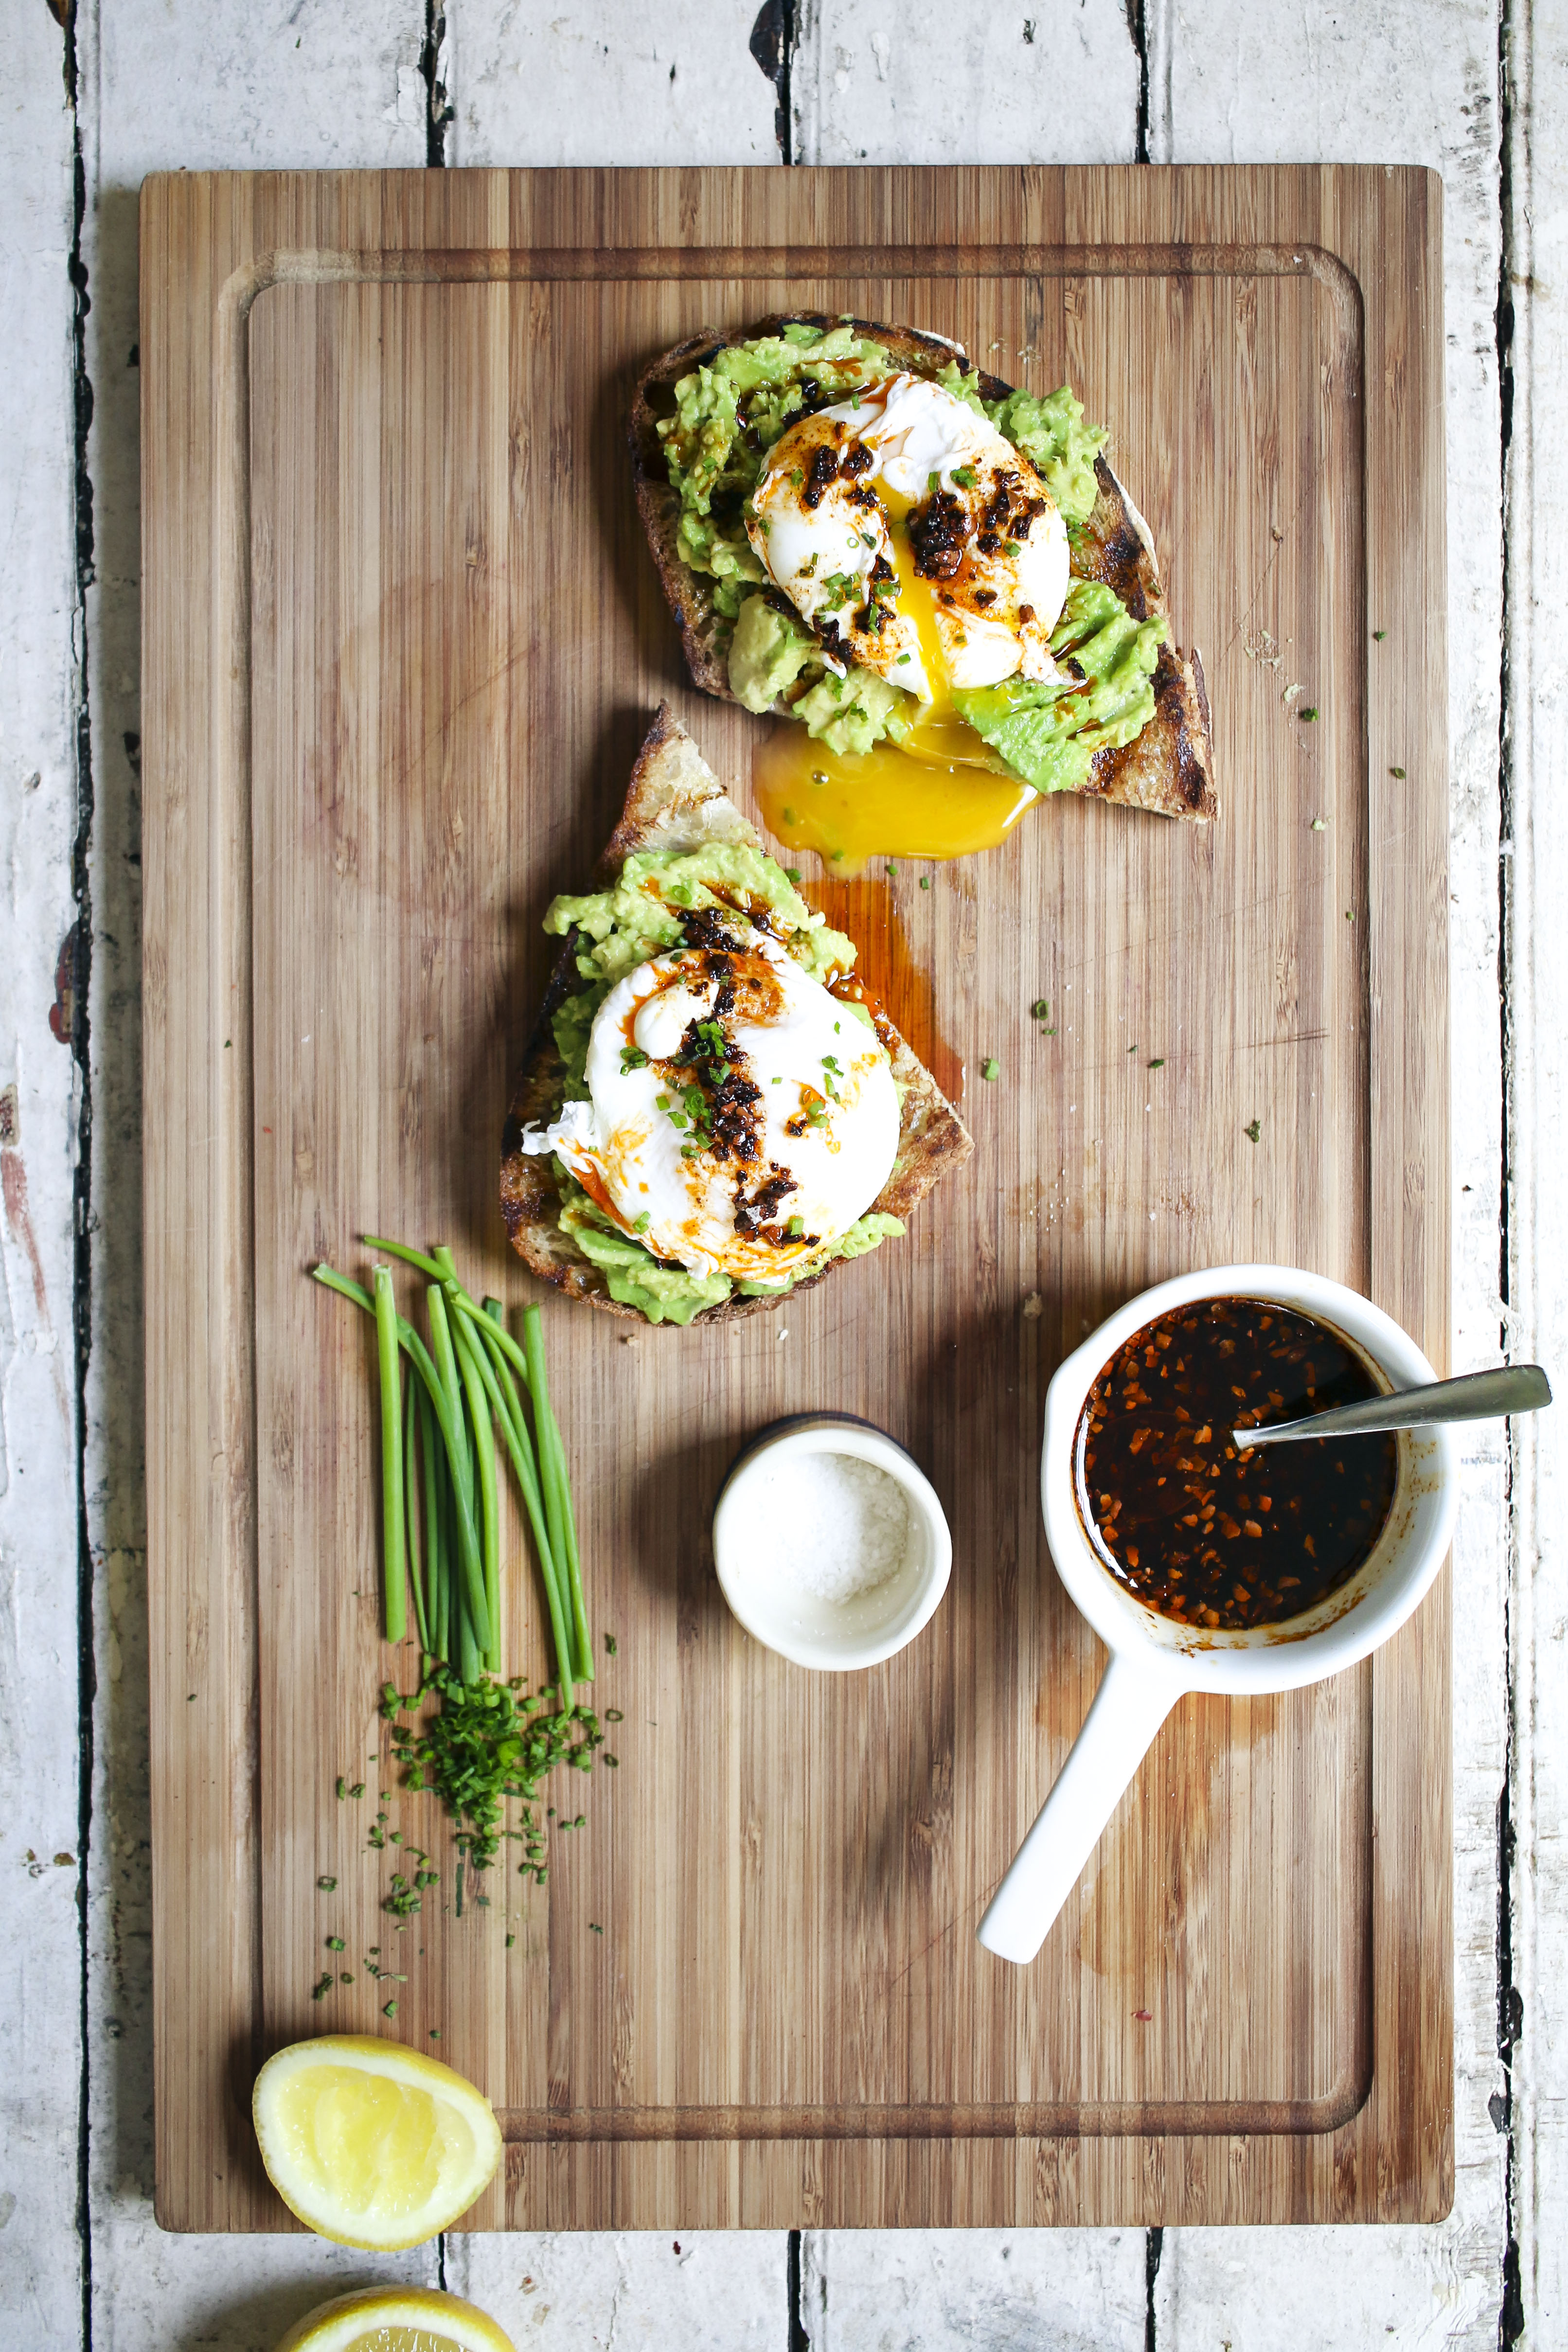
{"x":1006,"y":2290}
{"x":158,"y":91}
{"x":964,"y":84}
{"x":1406,"y":83}
{"x":865,"y":86}
{"x":1535,"y":876}
{"x":599,"y":83}
{"x":582,"y":87}
{"x":40,"y":677}
{"x":707,"y":2290}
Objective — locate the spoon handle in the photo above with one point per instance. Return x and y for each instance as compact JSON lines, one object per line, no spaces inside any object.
{"x":1477,"y":1396}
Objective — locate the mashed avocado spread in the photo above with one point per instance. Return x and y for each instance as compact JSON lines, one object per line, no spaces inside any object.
{"x":729,"y":411}
{"x":1049,"y":733}
{"x":617,"y":929}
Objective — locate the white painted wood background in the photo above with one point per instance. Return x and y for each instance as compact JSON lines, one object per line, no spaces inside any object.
{"x":132,"y":86}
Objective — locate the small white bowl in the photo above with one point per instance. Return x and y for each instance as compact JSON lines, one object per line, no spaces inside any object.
{"x":833,"y":1636}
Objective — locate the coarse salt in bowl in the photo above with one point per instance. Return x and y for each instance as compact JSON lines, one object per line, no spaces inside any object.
{"x":831,"y":1546}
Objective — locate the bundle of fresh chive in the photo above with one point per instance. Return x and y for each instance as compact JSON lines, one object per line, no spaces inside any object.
{"x":438,"y":1468}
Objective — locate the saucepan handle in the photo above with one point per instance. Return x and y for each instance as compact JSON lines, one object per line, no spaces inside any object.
{"x":1129,"y":1708}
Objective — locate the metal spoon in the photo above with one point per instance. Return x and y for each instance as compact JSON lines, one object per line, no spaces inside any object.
{"x":1479,"y":1396}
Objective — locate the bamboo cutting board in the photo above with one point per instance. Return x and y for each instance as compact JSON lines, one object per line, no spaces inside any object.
{"x":401,"y":642}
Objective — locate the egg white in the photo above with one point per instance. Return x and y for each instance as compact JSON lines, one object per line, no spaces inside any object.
{"x":823,"y":556}
{"x":625,"y":1147}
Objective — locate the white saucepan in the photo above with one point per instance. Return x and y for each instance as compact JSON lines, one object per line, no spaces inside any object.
{"x":1154,"y":1661}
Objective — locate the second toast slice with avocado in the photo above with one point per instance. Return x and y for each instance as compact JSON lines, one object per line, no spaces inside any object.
{"x":709,"y":1080}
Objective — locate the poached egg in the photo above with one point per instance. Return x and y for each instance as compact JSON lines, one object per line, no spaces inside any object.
{"x":915,"y":540}
{"x":740,"y":1116}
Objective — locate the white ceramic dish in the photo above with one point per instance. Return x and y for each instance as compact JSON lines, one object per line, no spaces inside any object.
{"x":1154,"y":1661}
{"x":833,"y":1636}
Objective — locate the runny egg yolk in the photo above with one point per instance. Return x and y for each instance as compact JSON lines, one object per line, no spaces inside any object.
{"x":938,"y":793}
{"x":939,"y":735}
{"x":882,"y":802}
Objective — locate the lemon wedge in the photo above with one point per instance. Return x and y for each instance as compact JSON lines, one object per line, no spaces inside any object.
{"x":371,"y":2144}
{"x":395,"y":2319}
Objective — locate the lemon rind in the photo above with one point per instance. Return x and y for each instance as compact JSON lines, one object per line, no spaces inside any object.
{"x":331,"y":2325}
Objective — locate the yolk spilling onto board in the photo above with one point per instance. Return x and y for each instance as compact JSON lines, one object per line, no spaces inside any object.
{"x":937,"y":793}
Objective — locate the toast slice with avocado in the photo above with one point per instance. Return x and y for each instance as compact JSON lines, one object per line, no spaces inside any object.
{"x":705,"y":415}
{"x":680,"y":835}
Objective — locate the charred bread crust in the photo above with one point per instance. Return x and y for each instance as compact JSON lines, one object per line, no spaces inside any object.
{"x":675,"y":801}
{"x":703,"y":629}
{"x":672,"y":802}
{"x":1168,"y":771}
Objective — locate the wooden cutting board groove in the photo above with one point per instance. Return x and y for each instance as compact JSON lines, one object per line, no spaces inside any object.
{"x":401,"y":640}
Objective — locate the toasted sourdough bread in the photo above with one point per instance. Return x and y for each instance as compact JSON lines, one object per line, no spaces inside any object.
{"x":674,"y":801}
{"x":1169,"y":770}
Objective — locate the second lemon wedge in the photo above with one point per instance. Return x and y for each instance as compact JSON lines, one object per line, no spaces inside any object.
{"x":395,"y":2319}
{"x":370,"y":2143}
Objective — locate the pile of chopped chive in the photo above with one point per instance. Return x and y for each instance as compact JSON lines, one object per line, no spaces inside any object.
{"x":486,"y":1741}
{"x":467,"y":1386}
